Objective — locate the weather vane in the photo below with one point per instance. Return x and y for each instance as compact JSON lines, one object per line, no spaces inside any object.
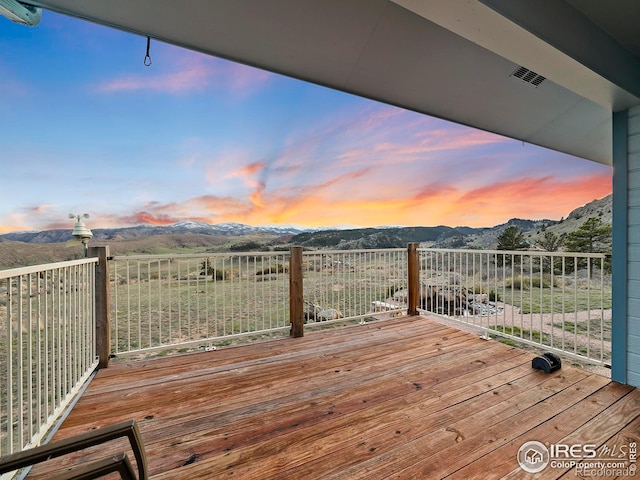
{"x":80,"y":232}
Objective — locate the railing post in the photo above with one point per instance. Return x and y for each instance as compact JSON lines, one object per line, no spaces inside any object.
{"x":413,"y":272}
{"x":103,"y":313}
{"x":296,"y":297}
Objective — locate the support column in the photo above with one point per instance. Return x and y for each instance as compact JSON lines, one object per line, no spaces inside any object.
{"x":296,"y":294}
{"x":619,"y":249}
{"x":413,"y":273}
{"x":103,"y":313}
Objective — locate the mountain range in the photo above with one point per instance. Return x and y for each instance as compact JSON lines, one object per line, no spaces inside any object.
{"x":28,"y":248}
{"x":441,"y":235}
{"x":124,"y":233}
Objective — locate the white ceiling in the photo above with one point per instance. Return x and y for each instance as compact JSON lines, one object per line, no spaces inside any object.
{"x":447,"y":58}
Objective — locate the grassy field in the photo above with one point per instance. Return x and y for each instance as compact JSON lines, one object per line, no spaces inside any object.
{"x":557,"y":300}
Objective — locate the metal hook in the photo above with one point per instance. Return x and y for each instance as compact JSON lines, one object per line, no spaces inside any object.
{"x":147,"y":57}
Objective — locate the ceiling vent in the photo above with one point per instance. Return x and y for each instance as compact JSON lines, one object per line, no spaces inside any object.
{"x":528,"y":76}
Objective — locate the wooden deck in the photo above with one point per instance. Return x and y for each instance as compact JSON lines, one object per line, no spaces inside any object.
{"x":404,"y":398}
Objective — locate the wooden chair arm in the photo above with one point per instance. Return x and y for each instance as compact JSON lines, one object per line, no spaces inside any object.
{"x":58,"y":448}
{"x":99,"y":468}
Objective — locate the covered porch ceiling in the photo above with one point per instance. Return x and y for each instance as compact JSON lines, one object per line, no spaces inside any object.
{"x":452,"y":59}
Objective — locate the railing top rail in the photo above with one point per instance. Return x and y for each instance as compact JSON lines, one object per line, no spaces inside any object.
{"x":535,"y":253}
{"x":14,"y":272}
{"x":179,"y":256}
{"x":364,"y":250}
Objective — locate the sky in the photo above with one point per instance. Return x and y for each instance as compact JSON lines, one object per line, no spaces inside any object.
{"x":86,"y":127}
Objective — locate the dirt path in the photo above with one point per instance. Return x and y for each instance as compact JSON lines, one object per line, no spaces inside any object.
{"x":573,"y":337}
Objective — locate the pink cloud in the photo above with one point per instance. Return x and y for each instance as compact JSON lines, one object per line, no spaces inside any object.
{"x":256,"y":197}
{"x":250,"y":169}
{"x":149,"y":218}
{"x":242,"y":78}
{"x":371,"y":120}
{"x":190,"y":71}
{"x":457,"y":138}
{"x":216,"y":204}
{"x":439,"y":140}
{"x":196,"y":78}
{"x":221,"y":168}
{"x":33,"y":217}
{"x":355,"y":153}
{"x":537,"y":197}
{"x":205,"y":208}
{"x":432,"y":191}
{"x":41,"y":209}
{"x":341,"y":178}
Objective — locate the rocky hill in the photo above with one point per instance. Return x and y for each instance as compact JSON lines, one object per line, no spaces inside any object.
{"x":452,"y":237}
{"x":382,"y":237}
{"x":534,"y":229}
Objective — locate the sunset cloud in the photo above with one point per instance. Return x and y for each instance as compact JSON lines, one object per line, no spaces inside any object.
{"x":535,"y":198}
{"x":244,"y":79}
{"x":195,"y":78}
{"x":192,"y":72}
{"x":149,"y":218}
{"x":249,"y":174}
{"x":256,"y":197}
{"x":39,"y":209}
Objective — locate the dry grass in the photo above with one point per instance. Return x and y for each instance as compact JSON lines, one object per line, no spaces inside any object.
{"x":20,"y":254}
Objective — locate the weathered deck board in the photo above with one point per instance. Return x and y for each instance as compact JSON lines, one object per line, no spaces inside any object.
{"x":500,"y":462}
{"x":448,"y":453}
{"x":623,"y":415}
{"x":402,"y":398}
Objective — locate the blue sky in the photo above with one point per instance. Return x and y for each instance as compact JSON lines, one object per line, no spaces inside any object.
{"x":86,"y":127}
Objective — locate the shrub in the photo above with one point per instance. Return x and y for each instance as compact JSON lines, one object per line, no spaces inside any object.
{"x":527,"y":283}
{"x":217,"y":274}
{"x":493,"y":296}
{"x":207,"y":269}
{"x":246,"y":247}
{"x":279,"y":268}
